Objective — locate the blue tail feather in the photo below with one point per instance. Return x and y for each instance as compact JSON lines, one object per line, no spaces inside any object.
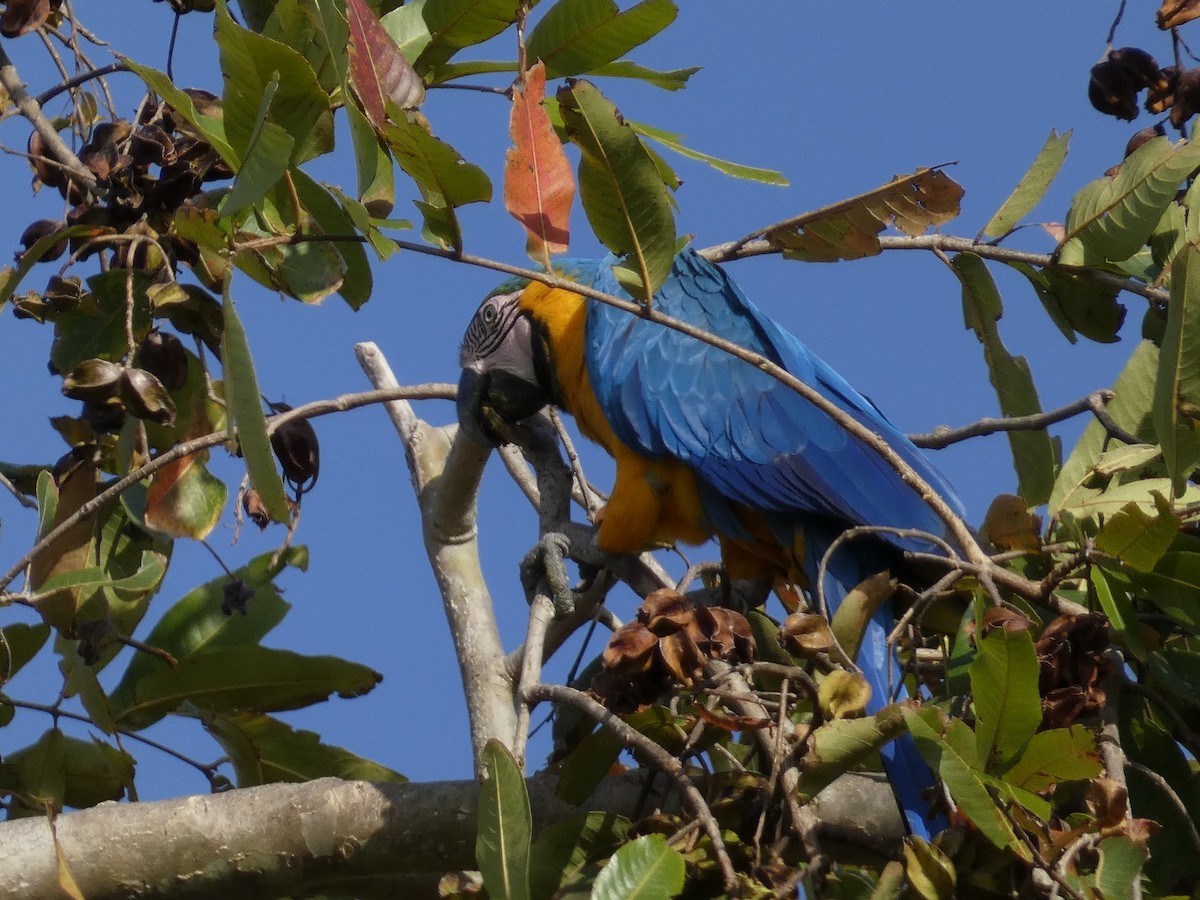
{"x":908,"y":774}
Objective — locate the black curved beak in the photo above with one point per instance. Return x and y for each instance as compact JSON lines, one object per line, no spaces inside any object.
{"x":472,"y":397}
{"x":488,"y":398}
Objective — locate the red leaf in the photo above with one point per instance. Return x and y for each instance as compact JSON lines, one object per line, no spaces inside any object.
{"x":538,"y":185}
{"x":378,"y":70}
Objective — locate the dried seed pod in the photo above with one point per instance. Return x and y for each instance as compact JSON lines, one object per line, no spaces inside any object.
{"x":296,"y":447}
{"x":145,"y":397}
{"x":1115,"y":81}
{"x":1141,"y":137}
{"x":40,"y":229}
{"x":163,"y":356}
{"x":96,"y":380}
{"x":255,"y":509}
{"x":107,"y":417}
{"x":45,"y":169}
{"x":152,"y":146}
{"x":146,"y":254}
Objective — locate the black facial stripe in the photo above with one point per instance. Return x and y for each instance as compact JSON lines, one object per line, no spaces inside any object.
{"x":483,"y":338}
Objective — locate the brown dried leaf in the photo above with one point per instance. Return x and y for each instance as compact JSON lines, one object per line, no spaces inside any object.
{"x":1009,"y":524}
{"x":1174,"y":13}
{"x":538,"y":185}
{"x":630,"y":650}
{"x":1108,"y":801}
{"x":850,"y":229}
{"x":803,"y":634}
{"x":1003,"y":617}
{"x":665,"y":611}
{"x":378,"y":70}
{"x":682,"y":658}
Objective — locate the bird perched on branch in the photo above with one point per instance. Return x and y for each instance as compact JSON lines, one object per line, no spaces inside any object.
{"x":707,"y":445}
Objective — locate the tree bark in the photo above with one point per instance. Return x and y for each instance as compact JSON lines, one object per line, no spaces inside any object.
{"x":325,"y":836}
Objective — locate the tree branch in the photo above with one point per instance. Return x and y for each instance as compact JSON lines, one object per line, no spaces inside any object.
{"x":446,"y":469}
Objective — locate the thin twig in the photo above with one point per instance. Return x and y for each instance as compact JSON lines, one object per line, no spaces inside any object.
{"x":204,"y":442}
{"x":943,"y":437}
{"x":659,"y":757}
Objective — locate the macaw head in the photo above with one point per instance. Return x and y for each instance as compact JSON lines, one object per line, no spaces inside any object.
{"x":505,"y":362}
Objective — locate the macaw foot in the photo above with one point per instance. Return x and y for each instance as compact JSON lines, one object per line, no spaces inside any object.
{"x":548,"y":560}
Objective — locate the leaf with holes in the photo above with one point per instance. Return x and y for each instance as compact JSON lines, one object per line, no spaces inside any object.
{"x":850,"y":229}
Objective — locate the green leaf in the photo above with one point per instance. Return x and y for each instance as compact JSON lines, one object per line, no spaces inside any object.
{"x":1176,"y":410}
{"x":455,"y":24}
{"x":621,"y":190}
{"x":853,"y":615}
{"x":673,"y":141}
{"x":844,"y":744}
{"x":1032,"y":186}
{"x":445,"y":179}
{"x":1129,"y":409}
{"x":1004,"y":684}
{"x":952,"y":758}
{"x":376,"y":184}
{"x":245,"y":677}
{"x":670,"y":80}
{"x":1178,"y":670}
{"x":265,"y":161}
{"x":1111,"y":590}
{"x":250,"y":64}
{"x":1111,"y":218}
{"x":184,"y":499}
{"x":1174,"y":587}
{"x":246,"y":418}
{"x":562,"y":853}
{"x":264,"y":750}
{"x":1077,"y":304}
{"x":644,"y":869}
{"x":1054,"y":756}
{"x":930,"y":872}
{"x":317,"y":30}
{"x":1148,"y":741}
{"x":331,"y":218}
{"x":587,"y":765}
{"x":10,"y":278}
{"x":1035,"y":453}
{"x":1087,"y":503}
{"x":19,"y":643}
{"x":1136,"y":537}
{"x":1119,"y":868}
{"x":505,"y":825}
{"x":196,"y":623}
{"x":38,"y":771}
{"x":575,"y":37}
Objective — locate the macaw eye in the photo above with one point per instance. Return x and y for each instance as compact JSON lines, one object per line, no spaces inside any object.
{"x":489,"y":314}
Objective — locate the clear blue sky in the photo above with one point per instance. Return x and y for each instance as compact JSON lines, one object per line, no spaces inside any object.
{"x":838,"y":96}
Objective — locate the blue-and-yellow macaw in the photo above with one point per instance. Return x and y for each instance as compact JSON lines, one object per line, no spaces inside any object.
{"x":707,"y":445}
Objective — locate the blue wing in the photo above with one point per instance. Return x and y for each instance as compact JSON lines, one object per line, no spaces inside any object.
{"x":751,"y":439}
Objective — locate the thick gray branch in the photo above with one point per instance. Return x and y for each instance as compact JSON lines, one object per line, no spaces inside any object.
{"x":446,"y":469}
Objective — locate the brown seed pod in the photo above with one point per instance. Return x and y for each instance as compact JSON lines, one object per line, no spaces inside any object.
{"x":45,"y":169}
{"x":145,"y":397}
{"x":40,"y":229}
{"x":1115,"y":81}
{"x":95,"y":380}
{"x":162,"y":355}
{"x":296,"y":447}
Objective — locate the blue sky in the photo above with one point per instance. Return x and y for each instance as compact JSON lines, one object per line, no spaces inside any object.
{"x":840,"y":97}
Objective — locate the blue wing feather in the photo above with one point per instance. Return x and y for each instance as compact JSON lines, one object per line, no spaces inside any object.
{"x":750,"y":437}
